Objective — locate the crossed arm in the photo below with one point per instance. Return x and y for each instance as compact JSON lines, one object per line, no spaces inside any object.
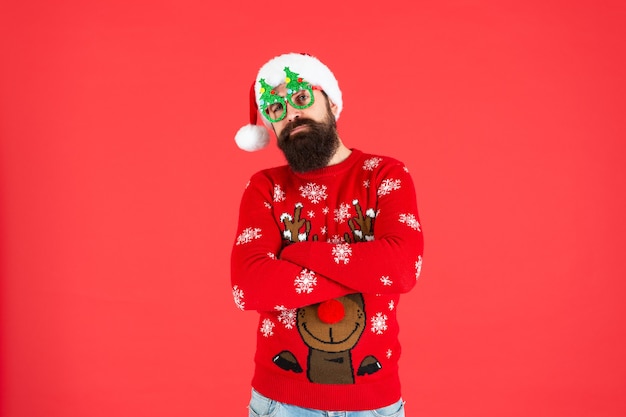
{"x":265,"y":278}
{"x":390,"y":263}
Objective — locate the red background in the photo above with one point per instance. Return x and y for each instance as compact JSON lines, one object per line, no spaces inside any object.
{"x":120,"y":185}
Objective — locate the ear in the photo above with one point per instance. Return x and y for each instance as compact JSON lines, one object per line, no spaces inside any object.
{"x":333,"y":107}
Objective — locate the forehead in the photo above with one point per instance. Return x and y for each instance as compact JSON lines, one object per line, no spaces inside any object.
{"x":281,"y":89}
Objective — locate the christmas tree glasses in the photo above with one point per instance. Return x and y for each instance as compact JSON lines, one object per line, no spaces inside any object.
{"x":299,"y":95}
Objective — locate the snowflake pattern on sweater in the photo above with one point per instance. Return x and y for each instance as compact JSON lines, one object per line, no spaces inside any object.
{"x":323,"y":257}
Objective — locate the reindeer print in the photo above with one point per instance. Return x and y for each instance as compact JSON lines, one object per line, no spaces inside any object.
{"x":330,"y":330}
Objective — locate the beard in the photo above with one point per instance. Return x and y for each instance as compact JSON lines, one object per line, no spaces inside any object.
{"x":313,"y":147}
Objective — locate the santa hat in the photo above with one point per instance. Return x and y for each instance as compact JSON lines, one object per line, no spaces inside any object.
{"x":253,"y":137}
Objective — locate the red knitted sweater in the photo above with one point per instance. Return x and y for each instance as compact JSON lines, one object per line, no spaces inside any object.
{"x":323,"y":257}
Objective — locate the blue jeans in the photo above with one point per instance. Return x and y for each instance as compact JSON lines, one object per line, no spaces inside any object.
{"x":261,"y":406}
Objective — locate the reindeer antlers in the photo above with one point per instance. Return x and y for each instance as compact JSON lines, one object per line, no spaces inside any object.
{"x":365,"y":230}
{"x":294,"y":224}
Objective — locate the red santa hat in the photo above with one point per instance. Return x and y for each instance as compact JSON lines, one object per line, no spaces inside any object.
{"x":253,"y":137}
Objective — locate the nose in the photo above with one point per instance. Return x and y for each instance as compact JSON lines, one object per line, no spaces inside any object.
{"x":292,"y":112}
{"x":331,"y":311}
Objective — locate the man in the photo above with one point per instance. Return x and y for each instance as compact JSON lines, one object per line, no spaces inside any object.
{"x":324,"y":247}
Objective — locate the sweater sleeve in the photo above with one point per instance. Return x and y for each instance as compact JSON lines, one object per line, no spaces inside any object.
{"x":391,"y":262}
{"x":260,"y":279}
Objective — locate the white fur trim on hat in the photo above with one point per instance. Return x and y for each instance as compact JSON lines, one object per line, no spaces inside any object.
{"x":308,"y":67}
{"x":253,"y":137}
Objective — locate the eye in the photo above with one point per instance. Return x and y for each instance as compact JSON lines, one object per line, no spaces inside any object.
{"x":302,"y":98}
{"x":275,"y":108}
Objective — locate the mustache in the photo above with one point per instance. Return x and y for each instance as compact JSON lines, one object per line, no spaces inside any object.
{"x":299,"y":121}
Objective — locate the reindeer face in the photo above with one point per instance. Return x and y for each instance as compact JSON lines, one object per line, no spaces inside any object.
{"x":333,"y":326}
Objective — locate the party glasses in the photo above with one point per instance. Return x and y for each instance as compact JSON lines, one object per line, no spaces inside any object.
{"x":299,"y":95}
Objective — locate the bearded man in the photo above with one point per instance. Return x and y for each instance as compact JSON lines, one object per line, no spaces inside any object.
{"x":325,"y":245}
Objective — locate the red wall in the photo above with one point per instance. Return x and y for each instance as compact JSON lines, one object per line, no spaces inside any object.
{"x":120,"y":183}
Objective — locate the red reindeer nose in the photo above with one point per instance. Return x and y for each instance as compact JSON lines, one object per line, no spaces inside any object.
{"x":330,"y":311}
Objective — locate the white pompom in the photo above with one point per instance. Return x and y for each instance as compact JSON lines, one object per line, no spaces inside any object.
{"x":252,"y":138}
